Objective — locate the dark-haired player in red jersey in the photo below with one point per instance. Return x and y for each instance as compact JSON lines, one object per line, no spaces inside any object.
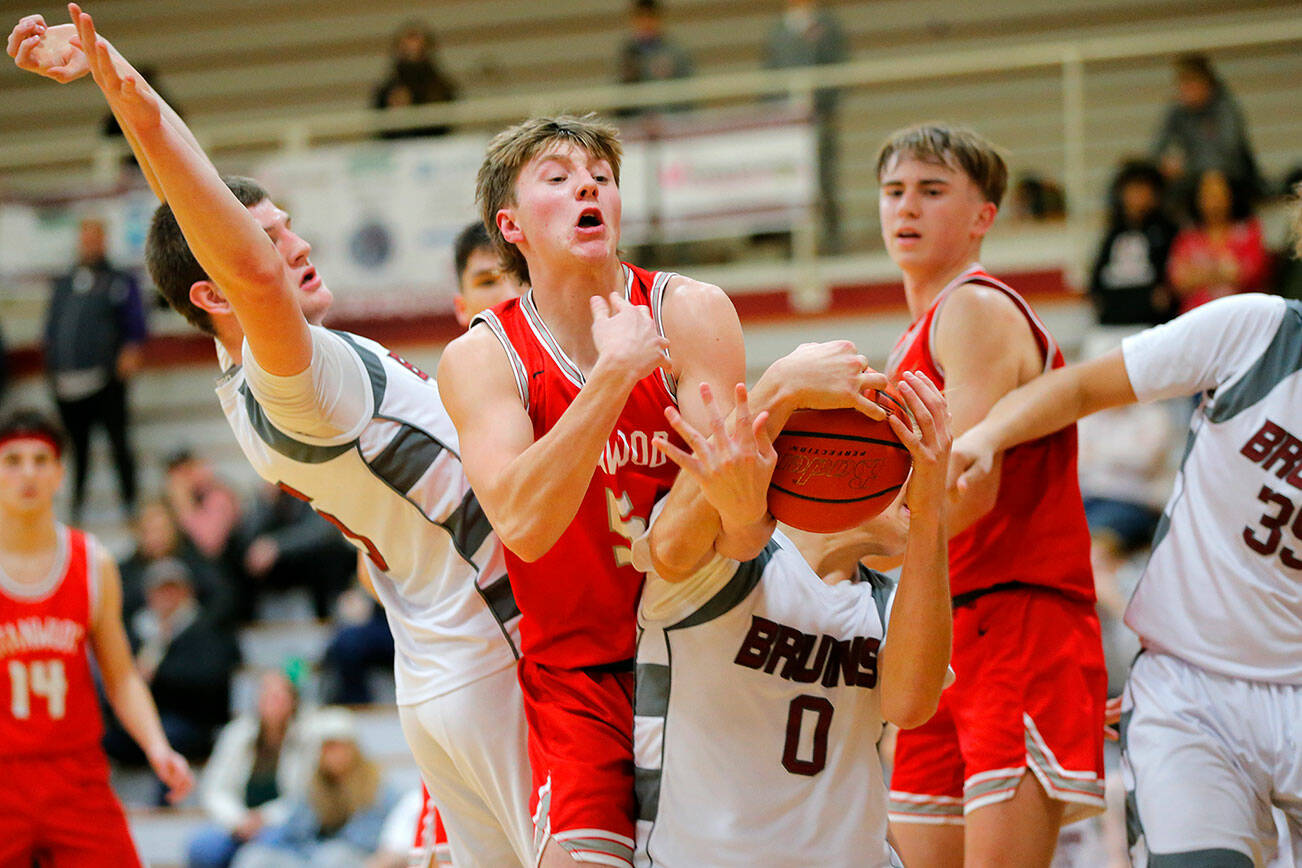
{"x":1016,"y":747}
{"x":60,"y":598}
{"x":557,"y":397}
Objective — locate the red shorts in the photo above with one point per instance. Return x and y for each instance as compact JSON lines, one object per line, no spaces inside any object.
{"x":581,"y":754}
{"x":61,"y":809}
{"x":430,"y":848}
{"x":1029,"y":693}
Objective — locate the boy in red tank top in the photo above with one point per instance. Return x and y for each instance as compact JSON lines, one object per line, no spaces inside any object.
{"x":1015,"y":748}
{"x":557,"y":397}
{"x":60,"y":597}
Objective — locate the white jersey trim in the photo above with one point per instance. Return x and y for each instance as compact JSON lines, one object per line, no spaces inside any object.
{"x":489,"y":318}
{"x":45,"y":588}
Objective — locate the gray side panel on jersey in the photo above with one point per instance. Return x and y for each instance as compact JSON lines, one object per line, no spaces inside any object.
{"x":1164,"y":523}
{"x":408,"y":456}
{"x":743,"y":581}
{"x":650,"y":699}
{"x":1282,"y":358}
{"x":500,"y":598}
{"x":1217,"y":858}
{"x":883,"y":586}
{"x":469,"y":526}
{"x":374,"y":368}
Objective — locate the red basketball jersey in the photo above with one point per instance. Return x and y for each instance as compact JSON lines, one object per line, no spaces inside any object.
{"x":578,"y":602}
{"x":47,"y":697}
{"x":1036,"y":532}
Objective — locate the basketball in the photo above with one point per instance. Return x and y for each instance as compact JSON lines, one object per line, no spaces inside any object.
{"x":837,"y":468}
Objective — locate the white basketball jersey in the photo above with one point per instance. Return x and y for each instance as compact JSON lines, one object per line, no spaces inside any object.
{"x":397,"y":491}
{"x":1223,"y":587}
{"x":757,"y":718}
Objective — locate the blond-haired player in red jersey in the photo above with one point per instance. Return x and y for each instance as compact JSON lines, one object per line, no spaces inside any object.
{"x":1015,"y":748}
{"x":60,"y":598}
{"x":557,"y":397}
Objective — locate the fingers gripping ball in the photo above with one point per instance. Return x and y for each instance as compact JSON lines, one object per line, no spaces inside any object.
{"x":837,"y":468}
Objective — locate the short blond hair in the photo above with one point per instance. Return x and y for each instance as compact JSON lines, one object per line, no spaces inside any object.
{"x":959,"y":148}
{"x":513,"y":148}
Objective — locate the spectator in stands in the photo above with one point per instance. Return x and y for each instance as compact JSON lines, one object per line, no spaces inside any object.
{"x":361,"y":644}
{"x":1222,"y":251}
{"x":808,"y":36}
{"x":1128,"y":282}
{"x":1288,"y":267}
{"x":1204,"y":130}
{"x":292,"y":546}
{"x":1036,"y":198}
{"x":186,"y":660}
{"x":648,"y":54}
{"x":258,"y":772}
{"x":415,"y":78}
{"x":157,"y":537}
{"x":211,"y":517}
{"x":338,"y":822}
{"x":94,"y":330}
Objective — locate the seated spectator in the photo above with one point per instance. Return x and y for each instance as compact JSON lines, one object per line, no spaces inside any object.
{"x":210,"y":516}
{"x":258,"y":771}
{"x":158,"y":537}
{"x":339,"y":820}
{"x":1222,"y":252}
{"x":1204,"y":131}
{"x":648,"y":55}
{"x":362,"y":643}
{"x":291,"y":546}
{"x":1037,"y":199}
{"x":414,"y":79}
{"x":186,"y":660}
{"x":1128,"y":281}
{"x":1288,"y":270}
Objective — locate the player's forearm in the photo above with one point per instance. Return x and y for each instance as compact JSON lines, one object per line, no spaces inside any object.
{"x":916,"y":657}
{"x":684,"y":535}
{"x":536,"y":496}
{"x":134,"y":707}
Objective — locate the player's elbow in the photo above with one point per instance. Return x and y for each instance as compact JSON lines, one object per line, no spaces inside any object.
{"x":909,"y":706}
{"x":528,"y":541}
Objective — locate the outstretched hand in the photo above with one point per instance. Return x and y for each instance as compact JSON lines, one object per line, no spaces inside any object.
{"x":130,"y":97}
{"x":971,"y":460}
{"x":52,"y":52}
{"x":733,"y":470}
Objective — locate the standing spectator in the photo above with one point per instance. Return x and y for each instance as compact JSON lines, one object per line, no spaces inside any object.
{"x":647,"y":54}
{"x":257,"y":773}
{"x":94,"y":330}
{"x":1222,"y":252}
{"x":414,"y":79}
{"x":184,"y":658}
{"x":338,"y":823}
{"x":158,"y":537}
{"x":805,"y":36}
{"x":1128,"y":281}
{"x":1204,"y":130}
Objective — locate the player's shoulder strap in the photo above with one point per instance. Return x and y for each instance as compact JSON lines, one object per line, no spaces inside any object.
{"x":738,"y":588}
{"x":978,"y":276}
{"x":493,"y":319}
{"x":1281,"y":358}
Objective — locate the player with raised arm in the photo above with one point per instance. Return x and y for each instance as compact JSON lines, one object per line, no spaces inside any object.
{"x":762,"y":690}
{"x":558,"y":397}
{"x":61,"y":603}
{"x":1211,"y":710}
{"x":342,"y":422}
{"x":1016,"y":747}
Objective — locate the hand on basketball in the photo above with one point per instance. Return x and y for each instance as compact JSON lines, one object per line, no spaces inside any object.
{"x":131,"y":99}
{"x":626,"y":337}
{"x":174,"y":772}
{"x":53,"y":52}
{"x":928,"y":440}
{"x":733,"y":470}
{"x":972,"y":459}
{"x":830,"y":376}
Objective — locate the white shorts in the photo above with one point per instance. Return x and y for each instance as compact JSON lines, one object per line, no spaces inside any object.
{"x":1204,"y":757}
{"x":471,"y":749}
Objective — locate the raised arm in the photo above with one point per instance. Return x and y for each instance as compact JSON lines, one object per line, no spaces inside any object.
{"x":1042,"y":406}
{"x":126,"y":690}
{"x":915,"y":658}
{"x":531,"y":490}
{"x":233,"y":248}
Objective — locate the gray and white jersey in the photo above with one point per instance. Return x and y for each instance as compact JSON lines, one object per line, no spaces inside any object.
{"x":389,"y":476}
{"x":1223,"y":587}
{"x":757,"y":718}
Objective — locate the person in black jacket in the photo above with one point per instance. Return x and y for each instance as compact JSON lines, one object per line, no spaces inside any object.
{"x":414,"y":79}
{"x":94,"y":330}
{"x":1128,"y":281}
